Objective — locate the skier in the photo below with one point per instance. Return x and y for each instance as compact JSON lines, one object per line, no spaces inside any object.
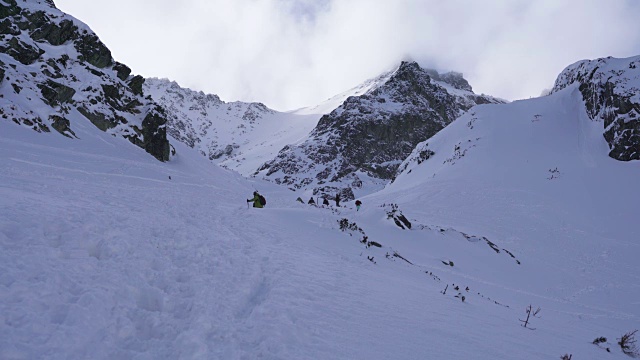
{"x":358,"y":203}
{"x":338,"y":200}
{"x":256,"y":200}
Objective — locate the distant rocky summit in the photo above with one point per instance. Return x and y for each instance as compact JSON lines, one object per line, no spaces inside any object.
{"x":610,"y":89}
{"x":361,"y":143}
{"x":203,"y":121}
{"x":54,"y":71}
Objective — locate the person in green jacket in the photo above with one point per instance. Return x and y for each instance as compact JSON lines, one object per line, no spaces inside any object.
{"x":256,"y":200}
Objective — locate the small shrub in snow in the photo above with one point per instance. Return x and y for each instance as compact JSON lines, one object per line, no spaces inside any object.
{"x":566,"y":357}
{"x":628,"y":344}
{"x":554,"y":174}
{"x":444,"y":292}
{"x":345,"y":225}
{"x":530,"y":312}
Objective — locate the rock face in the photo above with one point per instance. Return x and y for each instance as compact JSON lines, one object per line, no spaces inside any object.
{"x":610,"y":89}
{"x":56,"y":71}
{"x":362,"y":142}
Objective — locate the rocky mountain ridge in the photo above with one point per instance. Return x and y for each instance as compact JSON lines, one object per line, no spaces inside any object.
{"x":360,"y":144}
{"x":236,"y":135}
{"x":55,"y":72}
{"x":610,"y":89}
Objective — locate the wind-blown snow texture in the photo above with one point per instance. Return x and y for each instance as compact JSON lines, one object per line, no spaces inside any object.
{"x":109,"y":254}
{"x":56,"y":74}
{"x":610,"y":88}
{"x":356,"y":149}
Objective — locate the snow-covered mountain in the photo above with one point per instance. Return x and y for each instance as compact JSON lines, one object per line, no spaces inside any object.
{"x":106,"y":253}
{"x":56,"y":74}
{"x":359,"y":145}
{"x":236,"y":135}
{"x":610,"y":88}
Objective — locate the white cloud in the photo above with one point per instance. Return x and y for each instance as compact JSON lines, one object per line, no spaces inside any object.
{"x":292,"y":53}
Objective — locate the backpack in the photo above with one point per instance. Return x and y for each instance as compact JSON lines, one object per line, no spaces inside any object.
{"x":263,"y":201}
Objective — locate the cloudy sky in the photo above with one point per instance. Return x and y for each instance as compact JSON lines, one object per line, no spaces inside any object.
{"x":294,"y":53}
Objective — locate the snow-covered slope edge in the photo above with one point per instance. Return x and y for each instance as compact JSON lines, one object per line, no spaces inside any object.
{"x":56,"y":74}
{"x":532,"y":181}
{"x":357,"y":148}
{"x":236,"y":135}
{"x":610,"y":88}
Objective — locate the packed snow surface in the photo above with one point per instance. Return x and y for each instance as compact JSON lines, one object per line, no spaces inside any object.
{"x":106,"y":253}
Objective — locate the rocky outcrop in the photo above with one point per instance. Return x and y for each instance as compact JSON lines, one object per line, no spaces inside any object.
{"x":363,"y":141}
{"x":57,"y":65}
{"x":610,"y":89}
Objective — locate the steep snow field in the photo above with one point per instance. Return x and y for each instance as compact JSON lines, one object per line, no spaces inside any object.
{"x":107,"y":253}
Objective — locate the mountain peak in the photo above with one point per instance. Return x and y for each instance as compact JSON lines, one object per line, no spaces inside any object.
{"x":408,"y":69}
{"x":409,"y":66}
{"x":360,"y":144}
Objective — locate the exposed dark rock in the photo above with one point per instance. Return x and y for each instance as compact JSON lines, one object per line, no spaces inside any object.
{"x":62,"y":125}
{"x":135,"y":84}
{"x":55,"y":93}
{"x":93,"y":51}
{"x":228,"y":150}
{"x":12,"y":9}
{"x":100,"y":120}
{"x":34,"y":122}
{"x":55,"y":34}
{"x":8,"y":28}
{"x":155,"y":134}
{"x":111,"y":91}
{"x":22,"y":52}
{"x":122,"y":70}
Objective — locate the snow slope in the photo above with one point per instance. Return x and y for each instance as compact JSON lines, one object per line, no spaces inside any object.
{"x":534,"y":177}
{"x":106,"y":253}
